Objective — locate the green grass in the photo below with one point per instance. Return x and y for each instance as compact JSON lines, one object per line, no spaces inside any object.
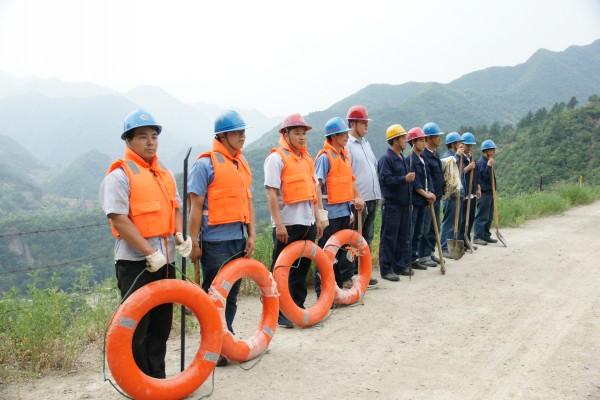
{"x":49,"y":328}
{"x":514,"y":211}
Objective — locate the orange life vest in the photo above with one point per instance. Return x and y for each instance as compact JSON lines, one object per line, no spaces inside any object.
{"x":297,"y":176}
{"x":152,"y":195}
{"x":229,"y":193}
{"x":339,"y":181}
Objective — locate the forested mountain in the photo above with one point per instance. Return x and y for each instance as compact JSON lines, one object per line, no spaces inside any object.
{"x":81,"y":179}
{"x":500,"y":95}
{"x":560,"y":144}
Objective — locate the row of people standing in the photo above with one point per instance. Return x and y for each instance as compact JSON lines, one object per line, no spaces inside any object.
{"x":307,"y":200}
{"x":413,"y":187}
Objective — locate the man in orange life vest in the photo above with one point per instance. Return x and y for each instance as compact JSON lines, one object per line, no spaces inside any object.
{"x":221,"y":211}
{"x":140,"y":197}
{"x":292,"y":197}
{"x":336,"y":190}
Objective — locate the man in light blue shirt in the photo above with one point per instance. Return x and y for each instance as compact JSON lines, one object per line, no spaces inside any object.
{"x":364,"y":169}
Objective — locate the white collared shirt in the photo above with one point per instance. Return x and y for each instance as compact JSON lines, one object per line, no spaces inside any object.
{"x":364,"y":168}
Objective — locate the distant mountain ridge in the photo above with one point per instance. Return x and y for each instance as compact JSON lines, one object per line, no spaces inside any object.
{"x":59,"y":121}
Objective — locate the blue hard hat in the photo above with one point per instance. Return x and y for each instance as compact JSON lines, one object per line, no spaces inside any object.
{"x":137,"y":119}
{"x":228,"y":121}
{"x":335,"y":125}
{"x":432,"y":129}
{"x":453,"y":137}
{"x":468,"y":138}
{"x":488,"y":144}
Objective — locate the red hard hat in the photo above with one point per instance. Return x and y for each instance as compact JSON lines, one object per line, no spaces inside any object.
{"x":415,"y":133}
{"x":358,"y":113}
{"x":292,"y":121}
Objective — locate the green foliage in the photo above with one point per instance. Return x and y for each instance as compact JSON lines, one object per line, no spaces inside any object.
{"x":49,"y":328}
{"x":555,"y":146}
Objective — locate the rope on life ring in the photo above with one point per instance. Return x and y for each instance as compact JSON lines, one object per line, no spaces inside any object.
{"x":281,"y":271}
{"x":120,"y":336}
{"x":241,"y":350}
{"x":359,"y":282}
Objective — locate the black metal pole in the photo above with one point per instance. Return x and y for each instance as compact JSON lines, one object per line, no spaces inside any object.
{"x":183,"y":259}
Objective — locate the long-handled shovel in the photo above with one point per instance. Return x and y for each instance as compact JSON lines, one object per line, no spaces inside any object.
{"x":498,"y":235}
{"x":468,"y":243}
{"x":456,"y":247}
{"x":437,"y":239}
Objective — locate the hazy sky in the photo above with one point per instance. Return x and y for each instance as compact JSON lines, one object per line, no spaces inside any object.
{"x":280,"y":56}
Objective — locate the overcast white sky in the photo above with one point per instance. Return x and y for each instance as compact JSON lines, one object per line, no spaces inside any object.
{"x":279,"y":56}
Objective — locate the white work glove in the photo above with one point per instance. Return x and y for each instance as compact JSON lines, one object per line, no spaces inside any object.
{"x":324,"y":219}
{"x":184,"y":247}
{"x":155,"y":261}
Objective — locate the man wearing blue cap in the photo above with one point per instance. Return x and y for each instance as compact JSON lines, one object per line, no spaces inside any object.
{"x":435,"y":174}
{"x":221,"y":211}
{"x":336,"y":191}
{"x":471,"y":180}
{"x":485,"y":207}
{"x":140,"y":197}
{"x":454,"y":145}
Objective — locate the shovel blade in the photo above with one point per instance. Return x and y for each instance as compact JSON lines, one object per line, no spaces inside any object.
{"x":456,"y":248}
{"x":501,"y":238}
{"x":468,"y":244}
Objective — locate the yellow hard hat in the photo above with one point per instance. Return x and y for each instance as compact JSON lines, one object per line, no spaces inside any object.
{"x":394,"y":131}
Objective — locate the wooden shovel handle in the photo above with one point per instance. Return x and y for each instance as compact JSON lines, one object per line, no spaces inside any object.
{"x":494,"y":197}
{"x":469,"y":202}
{"x":197,"y":271}
{"x":457,"y":211}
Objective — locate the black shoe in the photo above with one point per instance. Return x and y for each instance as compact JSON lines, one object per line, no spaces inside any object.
{"x":447,"y":255}
{"x":391,"y":277}
{"x":373,"y":283}
{"x":406,"y":272}
{"x":480,"y":242}
{"x":490,"y":240}
{"x":418,"y":265}
{"x":427,"y":261}
{"x":222,"y":361}
{"x":283,"y":322}
{"x":435,"y":259}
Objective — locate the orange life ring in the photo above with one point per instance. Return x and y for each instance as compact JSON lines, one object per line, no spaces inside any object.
{"x":281,"y":271}
{"x":120,"y":335}
{"x":239,"y":349}
{"x":360,"y":281}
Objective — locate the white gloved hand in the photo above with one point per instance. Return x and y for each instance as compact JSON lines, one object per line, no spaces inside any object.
{"x":155,"y":261}
{"x":323,"y":216}
{"x":184,"y":247}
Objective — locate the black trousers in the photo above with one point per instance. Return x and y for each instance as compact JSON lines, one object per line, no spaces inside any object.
{"x":343,"y":268}
{"x":297,"y":278}
{"x":150,"y":337}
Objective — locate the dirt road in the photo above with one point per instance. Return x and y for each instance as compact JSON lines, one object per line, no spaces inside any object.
{"x":521,"y":322}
